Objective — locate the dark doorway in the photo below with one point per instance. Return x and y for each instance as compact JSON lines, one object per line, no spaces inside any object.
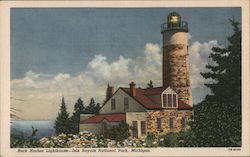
{"x":135,"y":129}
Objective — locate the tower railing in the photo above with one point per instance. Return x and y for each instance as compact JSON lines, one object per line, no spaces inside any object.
{"x":183,"y":26}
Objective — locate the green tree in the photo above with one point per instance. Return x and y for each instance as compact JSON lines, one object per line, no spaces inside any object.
{"x":150,"y":84}
{"x":227,"y":71}
{"x":75,"y":118}
{"x":217,"y":120}
{"x":62,"y":120}
{"x":92,"y":108}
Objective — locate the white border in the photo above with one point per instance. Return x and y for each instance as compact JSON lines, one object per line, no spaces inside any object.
{"x":5,"y":73}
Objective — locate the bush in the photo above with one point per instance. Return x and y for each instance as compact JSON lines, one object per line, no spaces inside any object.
{"x":21,"y":142}
{"x":118,"y":132}
{"x":169,"y":140}
{"x":179,"y":139}
{"x":151,"y":140}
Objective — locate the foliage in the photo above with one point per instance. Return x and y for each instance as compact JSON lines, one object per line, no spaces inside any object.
{"x":217,"y":124}
{"x":227,"y":71}
{"x":87,"y":139}
{"x":92,"y":108}
{"x":217,"y":120}
{"x":177,"y":139}
{"x":75,"y":118}
{"x":151,"y":140}
{"x":66,"y":124}
{"x":150,"y":84}
{"x":118,"y":132}
{"x":20,"y":142}
{"x":62,"y":120}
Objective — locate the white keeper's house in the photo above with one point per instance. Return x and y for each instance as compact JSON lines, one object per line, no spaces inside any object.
{"x":157,"y":110}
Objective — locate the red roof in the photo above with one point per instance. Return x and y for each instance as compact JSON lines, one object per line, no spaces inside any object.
{"x":142,"y":96}
{"x":182,"y":105}
{"x":156,"y":90}
{"x":109,"y":117}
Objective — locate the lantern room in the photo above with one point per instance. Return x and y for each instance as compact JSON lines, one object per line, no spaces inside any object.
{"x":174,"y":22}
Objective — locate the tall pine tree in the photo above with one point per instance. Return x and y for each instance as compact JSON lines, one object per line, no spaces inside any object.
{"x":62,"y":120}
{"x":92,"y":108}
{"x":75,"y":118}
{"x":217,"y":120}
{"x":227,"y":72}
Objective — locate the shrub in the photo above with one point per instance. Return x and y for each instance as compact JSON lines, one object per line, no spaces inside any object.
{"x":179,"y":139}
{"x":21,"y":142}
{"x":151,"y":140}
{"x":118,"y":132}
{"x":170,"y":140}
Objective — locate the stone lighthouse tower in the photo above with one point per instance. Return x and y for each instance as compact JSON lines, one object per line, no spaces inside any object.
{"x":175,"y":57}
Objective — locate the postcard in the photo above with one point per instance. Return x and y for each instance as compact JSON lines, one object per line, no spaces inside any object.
{"x":124,"y":78}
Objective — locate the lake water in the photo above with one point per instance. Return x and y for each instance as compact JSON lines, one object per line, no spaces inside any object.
{"x":24,"y":128}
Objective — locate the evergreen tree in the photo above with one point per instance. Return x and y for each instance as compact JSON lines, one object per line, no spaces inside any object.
{"x":92,"y":108}
{"x":227,"y":72}
{"x":150,"y":84}
{"x":62,"y":120}
{"x":75,"y":118}
{"x":217,"y":120}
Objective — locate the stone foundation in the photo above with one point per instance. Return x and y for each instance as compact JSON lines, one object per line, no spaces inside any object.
{"x":177,"y":116}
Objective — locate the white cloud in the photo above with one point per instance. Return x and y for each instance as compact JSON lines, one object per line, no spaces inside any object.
{"x":42,"y":92}
{"x":100,"y":69}
{"x":199,"y":58}
{"x":62,"y":77}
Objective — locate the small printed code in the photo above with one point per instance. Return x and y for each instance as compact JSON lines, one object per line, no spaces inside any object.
{"x":234,"y":149}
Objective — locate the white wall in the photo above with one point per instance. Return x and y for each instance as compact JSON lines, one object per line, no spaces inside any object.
{"x":136,"y":116}
{"x":95,"y":128}
{"x":175,"y":37}
{"x":119,"y":96}
{"x":85,"y":116}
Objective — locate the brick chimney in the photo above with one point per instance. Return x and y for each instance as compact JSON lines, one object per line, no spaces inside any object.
{"x":132,"y":89}
{"x":110,"y":91}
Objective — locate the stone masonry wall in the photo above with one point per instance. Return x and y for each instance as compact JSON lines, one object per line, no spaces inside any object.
{"x":177,"y":115}
{"x":176,"y":71}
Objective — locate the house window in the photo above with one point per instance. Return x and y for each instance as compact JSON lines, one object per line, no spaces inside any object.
{"x":159,"y":124}
{"x":169,"y":100}
{"x":125,"y":104}
{"x":164,"y":100}
{"x":112,"y":104}
{"x":171,"y":123}
{"x":143,"y":127}
{"x":183,"y":122}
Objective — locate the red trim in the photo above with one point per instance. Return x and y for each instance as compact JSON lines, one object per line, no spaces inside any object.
{"x":117,"y":117}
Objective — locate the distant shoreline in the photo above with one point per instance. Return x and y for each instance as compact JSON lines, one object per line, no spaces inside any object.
{"x":24,"y":128}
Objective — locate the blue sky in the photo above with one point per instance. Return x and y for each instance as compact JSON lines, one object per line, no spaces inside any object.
{"x":76,"y":52}
{"x":65,"y":40}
